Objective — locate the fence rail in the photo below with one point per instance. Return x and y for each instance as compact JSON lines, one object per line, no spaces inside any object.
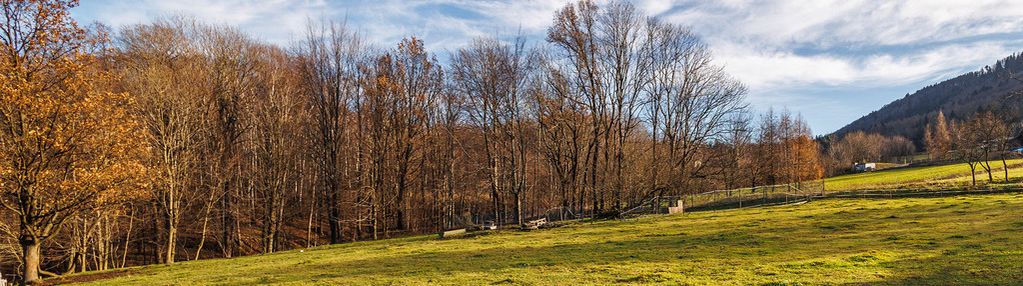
{"x":732,"y":198}
{"x":756,"y":197}
{"x":786,"y":194}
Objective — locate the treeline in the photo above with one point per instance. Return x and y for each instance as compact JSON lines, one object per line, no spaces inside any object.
{"x":841,"y":154}
{"x":977,"y":142}
{"x":179,"y":140}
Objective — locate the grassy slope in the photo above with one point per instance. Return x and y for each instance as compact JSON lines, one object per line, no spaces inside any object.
{"x":974,"y":239}
{"x":913,"y":177}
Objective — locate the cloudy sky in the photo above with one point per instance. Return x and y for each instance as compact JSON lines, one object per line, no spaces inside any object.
{"x":831,"y":61}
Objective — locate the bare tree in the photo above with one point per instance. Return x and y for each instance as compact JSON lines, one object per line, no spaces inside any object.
{"x":561,"y":120}
{"x":1003,"y":136}
{"x":694,"y":101}
{"x":966,"y":146}
{"x":229,"y":63}
{"x":602,"y":49}
{"x":157,"y":58}
{"x":330,"y":58}
{"x":989,"y":132}
{"x":413,"y":81}
{"x":493,"y":76}
{"x":278,"y":115}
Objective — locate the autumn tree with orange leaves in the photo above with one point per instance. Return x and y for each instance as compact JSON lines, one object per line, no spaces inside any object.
{"x":65,"y":144}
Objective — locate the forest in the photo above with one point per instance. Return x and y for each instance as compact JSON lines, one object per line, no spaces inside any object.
{"x":992,"y":89}
{"x":182,"y":140}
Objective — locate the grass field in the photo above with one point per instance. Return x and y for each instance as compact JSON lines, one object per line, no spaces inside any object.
{"x":921,"y":177}
{"x":970,"y":239}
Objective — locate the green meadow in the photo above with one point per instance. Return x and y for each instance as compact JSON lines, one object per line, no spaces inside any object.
{"x":953,"y":240}
{"x":926,"y":177}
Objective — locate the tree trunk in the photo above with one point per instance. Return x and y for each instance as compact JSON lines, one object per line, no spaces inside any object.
{"x":127,"y":237}
{"x":333,"y":218}
{"x":973,"y":173}
{"x":30,"y":263}
{"x":1005,"y":168}
{"x":986,"y":165}
{"x":228,"y":223}
{"x":518,"y":208}
{"x":172,"y":234}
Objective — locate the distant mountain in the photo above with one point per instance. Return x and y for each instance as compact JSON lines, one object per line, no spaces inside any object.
{"x":997,"y":88}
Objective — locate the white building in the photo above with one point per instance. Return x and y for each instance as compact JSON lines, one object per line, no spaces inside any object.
{"x":865,"y":167}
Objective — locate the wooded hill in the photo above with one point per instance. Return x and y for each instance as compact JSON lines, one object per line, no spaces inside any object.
{"x":993,"y":88}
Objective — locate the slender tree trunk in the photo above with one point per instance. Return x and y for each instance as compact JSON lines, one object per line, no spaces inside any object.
{"x":172,"y":234}
{"x":205,"y":224}
{"x":1005,"y":167}
{"x":400,"y":201}
{"x":333,"y":216}
{"x":518,"y":208}
{"x":228,"y":223}
{"x":309,"y":225}
{"x":990,"y":178}
{"x":973,"y":173}
{"x":373,"y":217}
{"x":127,"y":237}
{"x":986,"y":165}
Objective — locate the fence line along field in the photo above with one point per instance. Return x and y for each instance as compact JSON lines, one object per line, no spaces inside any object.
{"x":969,"y":239}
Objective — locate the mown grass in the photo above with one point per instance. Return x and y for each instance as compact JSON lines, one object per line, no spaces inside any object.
{"x":958,"y":240}
{"x":953,"y":175}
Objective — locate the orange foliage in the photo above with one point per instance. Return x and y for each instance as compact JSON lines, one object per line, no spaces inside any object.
{"x":65,"y":144}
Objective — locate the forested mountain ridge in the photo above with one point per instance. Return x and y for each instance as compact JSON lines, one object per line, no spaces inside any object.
{"x":993,"y":88}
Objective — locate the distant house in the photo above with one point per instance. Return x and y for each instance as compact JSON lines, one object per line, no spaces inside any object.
{"x":864,"y":167}
{"x":1018,"y":151}
{"x":1018,"y":141}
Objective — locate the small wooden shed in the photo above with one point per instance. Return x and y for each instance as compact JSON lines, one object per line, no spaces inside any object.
{"x":677,"y":208}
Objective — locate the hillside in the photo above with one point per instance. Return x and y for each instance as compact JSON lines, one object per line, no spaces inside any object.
{"x":991,"y":88}
{"x":924,"y":177}
{"x":969,"y":239}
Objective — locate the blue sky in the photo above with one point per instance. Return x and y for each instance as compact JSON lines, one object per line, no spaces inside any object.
{"x":831,"y":61}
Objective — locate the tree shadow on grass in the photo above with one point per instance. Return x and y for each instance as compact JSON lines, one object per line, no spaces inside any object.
{"x":89,"y":276}
{"x":952,"y":268}
{"x":443,"y":263}
{"x":580,"y":258}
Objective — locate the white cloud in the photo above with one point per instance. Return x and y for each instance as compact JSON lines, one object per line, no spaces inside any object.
{"x":788,"y":51}
{"x":852,"y":22}
{"x":656,"y":7}
{"x":272,"y":20}
{"x":763,"y":70}
{"x":392,"y":20}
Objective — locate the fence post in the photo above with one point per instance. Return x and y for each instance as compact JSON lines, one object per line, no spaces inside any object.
{"x":740,"y":199}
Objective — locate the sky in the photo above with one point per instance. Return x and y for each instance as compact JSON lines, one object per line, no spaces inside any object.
{"x":830,"y":61}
